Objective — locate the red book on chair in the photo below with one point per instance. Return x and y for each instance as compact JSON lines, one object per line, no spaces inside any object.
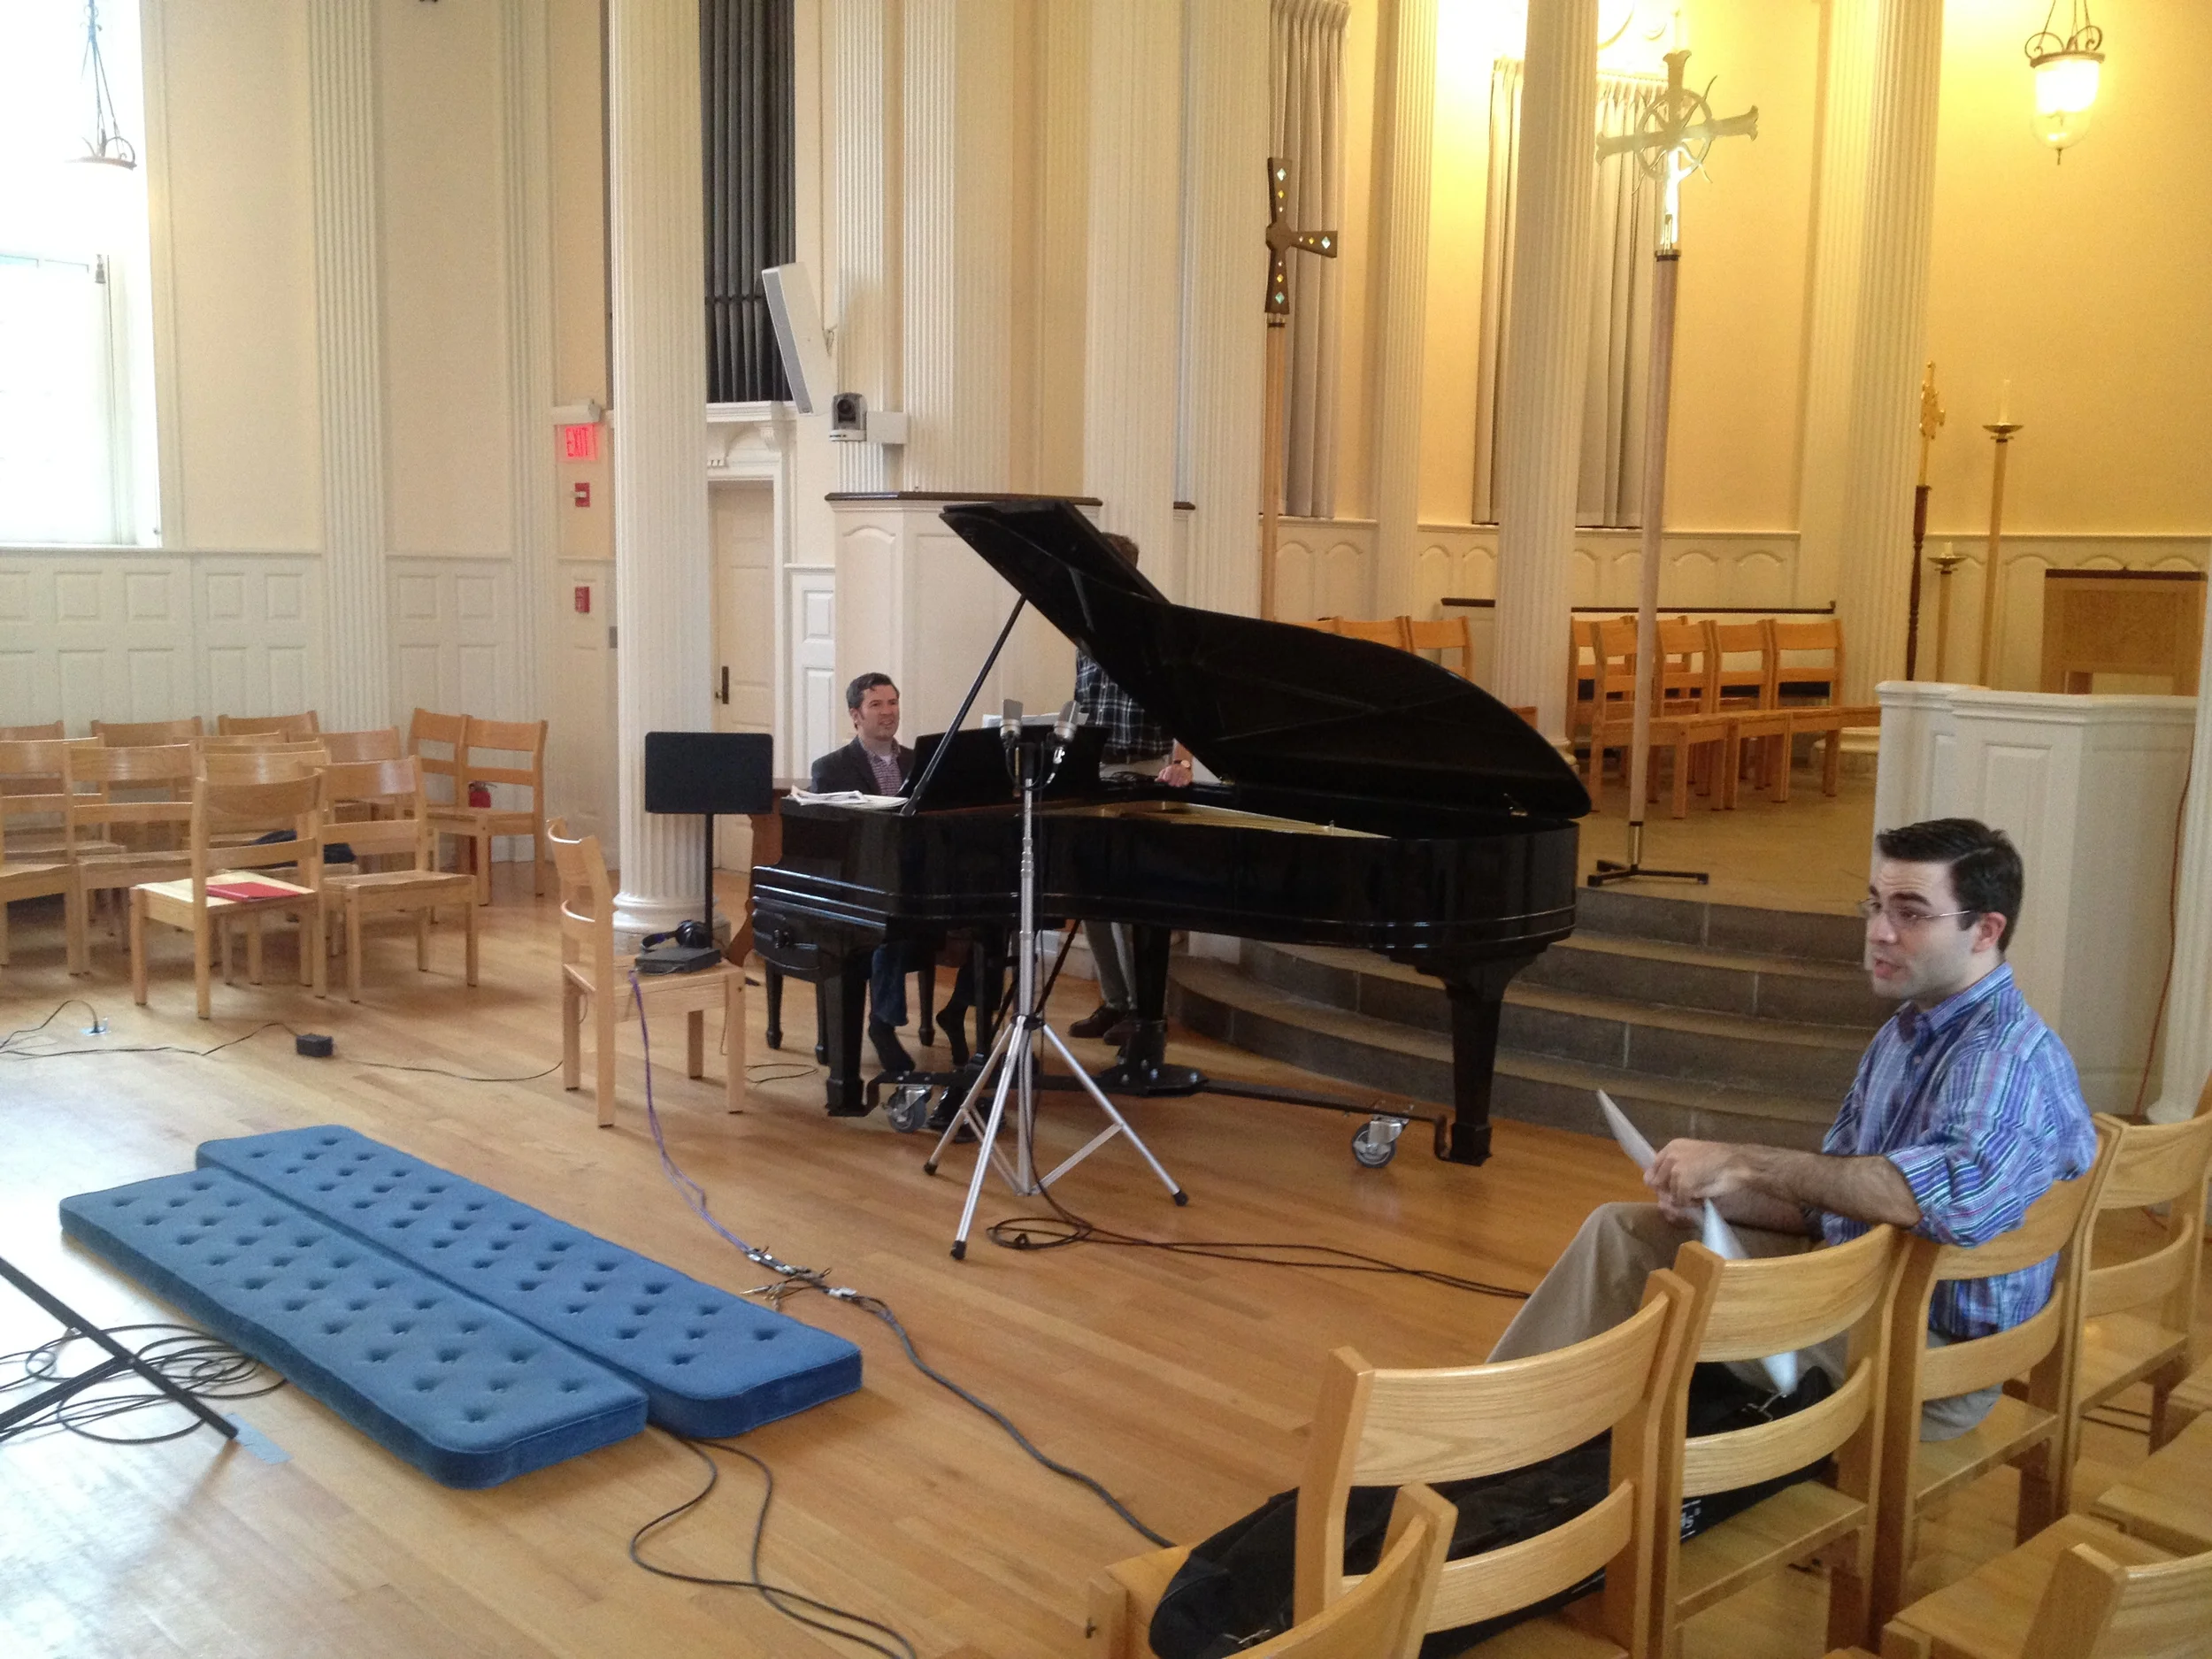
{"x":241,"y":891}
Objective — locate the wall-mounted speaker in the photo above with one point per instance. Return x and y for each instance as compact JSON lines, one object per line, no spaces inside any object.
{"x":798,"y":323}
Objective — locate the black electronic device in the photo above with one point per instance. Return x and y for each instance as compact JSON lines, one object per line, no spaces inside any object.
{"x":706,"y":772}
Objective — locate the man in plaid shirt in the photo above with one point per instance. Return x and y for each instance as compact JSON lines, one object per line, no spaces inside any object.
{"x":1965,"y":1109}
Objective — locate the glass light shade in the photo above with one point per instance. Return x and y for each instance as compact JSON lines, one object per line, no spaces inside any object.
{"x":2065,"y":89}
{"x":104,"y":201}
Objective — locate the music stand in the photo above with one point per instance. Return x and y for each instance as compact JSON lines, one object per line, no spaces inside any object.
{"x":710,"y":773}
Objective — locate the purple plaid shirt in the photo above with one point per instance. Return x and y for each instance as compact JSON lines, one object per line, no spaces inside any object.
{"x":1976,"y":1103}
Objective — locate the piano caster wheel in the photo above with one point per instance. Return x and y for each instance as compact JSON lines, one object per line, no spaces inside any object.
{"x":1375,"y":1142}
{"x":910,"y":1106}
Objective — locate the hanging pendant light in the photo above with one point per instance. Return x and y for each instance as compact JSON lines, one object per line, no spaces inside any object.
{"x":2067,"y":69}
{"x":107,"y":146}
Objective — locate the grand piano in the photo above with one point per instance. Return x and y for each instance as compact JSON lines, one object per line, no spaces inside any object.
{"x":1369,"y":798}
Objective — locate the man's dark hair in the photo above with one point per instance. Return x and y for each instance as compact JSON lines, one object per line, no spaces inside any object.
{"x":861,"y":687}
{"x":1121,"y":544}
{"x":1985,"y":871}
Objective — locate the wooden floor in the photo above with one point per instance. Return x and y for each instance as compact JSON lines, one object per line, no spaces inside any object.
{"x":1185,"y":1385}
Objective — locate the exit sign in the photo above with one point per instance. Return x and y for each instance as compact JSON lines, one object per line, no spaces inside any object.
{"x":579,"y":443}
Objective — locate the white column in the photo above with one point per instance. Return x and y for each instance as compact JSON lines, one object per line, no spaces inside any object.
{"x":1224,"y":282}
{"x":1405,"y":139}
{"x":2189,"y":992}
{"x":664,"y":578}
{"x":349,"y":351}
{"x":531,"y":484}
{"x":1130,"y":319}
{"x":1846,"y":102}
{"x":1540,"y":408}
{"x":958,"y":263}
{"x":1874,"y":562}
{"x":860,"y":301}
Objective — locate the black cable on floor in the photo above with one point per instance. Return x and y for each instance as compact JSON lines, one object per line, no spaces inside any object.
{"x":200,"y":1364}
{"x":776,"y":1596}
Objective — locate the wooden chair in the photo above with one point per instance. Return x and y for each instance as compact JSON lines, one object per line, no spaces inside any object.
{"x":1380,"y":630}
{"x":1395,"y":1427}
{"x":1743,"y":1311}
{"x":1824,"y":636}
{"x":400,"y":825}
{"x":2077,"y":1590}
{"x":1319,"y":624}
{"x":2141,"y":1312}
{"x":261,"y":761}
{"x":1743,"y":684}
{"x":1827,"y":723}
{"x":38,"y":810}
{"x":302,"y":725}
{"x":1581,"y":670}
{"x":381,"y":744}
{"x":157,"y":783}
{"x":477,"y":825}
{"x":1613,"y":697}
{"x":147,"y":734}
{"x":2167,"y":1499}
{"x":2029,"y":1431}
{"x":1386,"y":1613}
{"x":47,"y":869}
{"x":40,"y":731}
{"x":246,"y":808}
{"x":1447,"y":633}
{"x":591,"y":973}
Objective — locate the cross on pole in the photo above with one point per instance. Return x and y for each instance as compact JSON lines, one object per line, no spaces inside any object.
{"x":1281,"y":240}
{"x":1673,"y":135}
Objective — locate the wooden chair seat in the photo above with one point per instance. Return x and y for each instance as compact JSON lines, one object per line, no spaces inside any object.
{"x":1987,"y":1613}
{"x":2167,"y":1500}
{"x":1756,"y":1542}
{"x":1684,"y":734}
{"x":2012,"y":1426}
{"x":388,"y":819}
{"x":2120,"y":1349}
{"x":2192,"y":1398}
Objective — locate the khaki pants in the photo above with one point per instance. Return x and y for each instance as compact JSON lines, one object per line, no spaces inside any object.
{"x":1599,"y":1281}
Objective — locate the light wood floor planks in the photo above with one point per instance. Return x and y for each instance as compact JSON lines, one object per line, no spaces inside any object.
{"x":1186,"y":1385}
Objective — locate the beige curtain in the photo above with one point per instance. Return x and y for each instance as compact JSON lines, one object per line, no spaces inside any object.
{"x":1610,"y":488}
{"x":1307,"y":82}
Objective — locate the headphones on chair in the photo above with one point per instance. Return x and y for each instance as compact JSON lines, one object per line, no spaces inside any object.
{"x":692,"y":935}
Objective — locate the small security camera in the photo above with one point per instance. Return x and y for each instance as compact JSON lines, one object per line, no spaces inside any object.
{"x":848,"y":417}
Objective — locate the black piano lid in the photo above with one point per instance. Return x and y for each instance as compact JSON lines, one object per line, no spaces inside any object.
{"x":1270,"y":702}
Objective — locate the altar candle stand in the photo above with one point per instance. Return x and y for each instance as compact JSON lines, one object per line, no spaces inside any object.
{"x":2002,"y":430}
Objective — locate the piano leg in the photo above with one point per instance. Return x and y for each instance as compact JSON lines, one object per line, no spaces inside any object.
{"x":1476,"y":998}
{"x":772,"y":991}
{"x":841,"y":999}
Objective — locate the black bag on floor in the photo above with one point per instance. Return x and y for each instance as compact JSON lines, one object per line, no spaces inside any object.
{"x":1234,"y":1590}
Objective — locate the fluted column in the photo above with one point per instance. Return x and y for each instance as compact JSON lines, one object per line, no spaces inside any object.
{"x":860,"y":300}
{"x":958,"y":263}
{"x":531,"y":483}
{"x":1405,"y":139}
{"x":1540,"y":407}
{"x":1846,"y":102}
{"x":2189,"y":994}
{"x":664,"y":579}
{"x":1130,"y":323}
{"x":1224,"y":281}
{"x":1874,"y":562}
{"x":348,"y":352}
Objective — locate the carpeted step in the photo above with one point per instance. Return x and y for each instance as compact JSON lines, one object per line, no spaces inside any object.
{"x":1818,"y":935}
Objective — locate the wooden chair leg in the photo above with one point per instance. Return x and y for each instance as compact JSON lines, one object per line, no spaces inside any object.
{"x":315,"y":951}
{"x":482,"y":842}
{"x":253,"y":947}
{"x":203,"y":997}
{"x":73,"y":919}
{"x":537,"y":863}
{"x":138,"y":946}
{"x":422,"y":941}
{"x":602,"y":1008}
{"x":353,"y":949}
{"x":470,"y":913}
{"x":3,"y":933}
{"x":572,"y":1031}
{"x":733,"y":1040}
{"x":695,"y":1043}
{"x":1831,"y":764}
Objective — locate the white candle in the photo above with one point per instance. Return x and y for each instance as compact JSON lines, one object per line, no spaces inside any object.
{"x":2004,"y":403}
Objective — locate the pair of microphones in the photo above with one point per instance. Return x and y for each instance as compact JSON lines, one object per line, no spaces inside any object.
{"x":1009,"y":725}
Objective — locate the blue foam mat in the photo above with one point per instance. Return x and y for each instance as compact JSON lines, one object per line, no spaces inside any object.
{"x":466,"y":1394}
{"x":711,"y":1364}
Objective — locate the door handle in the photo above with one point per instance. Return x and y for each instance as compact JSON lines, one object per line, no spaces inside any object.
{"x":725,"y":693}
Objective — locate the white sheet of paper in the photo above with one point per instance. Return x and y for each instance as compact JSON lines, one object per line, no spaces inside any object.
{"x":1631,"y":1141}
{"x":1720,"y":1240}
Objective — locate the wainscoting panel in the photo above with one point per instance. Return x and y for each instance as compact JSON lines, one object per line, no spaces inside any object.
{"x":260,"y":623}
{"x":453,"y":636}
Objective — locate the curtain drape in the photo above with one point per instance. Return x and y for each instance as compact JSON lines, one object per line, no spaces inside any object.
{"x":1306,"y":82}
{"x":1610,"y":486}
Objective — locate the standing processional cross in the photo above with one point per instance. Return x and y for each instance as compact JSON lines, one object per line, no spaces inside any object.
{"x":1281,"y":240}
{"x":1673,"y":136}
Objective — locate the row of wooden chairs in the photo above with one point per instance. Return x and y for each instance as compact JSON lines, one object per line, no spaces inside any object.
{"x":1409,"y":634}
{"x":2109,"y":1324}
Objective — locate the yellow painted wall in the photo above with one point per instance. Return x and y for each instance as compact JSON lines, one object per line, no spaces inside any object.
{"x":579,"y":261}
{"x":2084,"y":283}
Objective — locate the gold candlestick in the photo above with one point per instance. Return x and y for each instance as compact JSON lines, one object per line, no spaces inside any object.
{"x":2002,"y":430}
{"x":1944,"y":562}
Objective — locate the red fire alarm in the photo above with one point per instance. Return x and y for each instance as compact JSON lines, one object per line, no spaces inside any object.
{"x":579,"y":443}
{"x":583,"y":600}
{"x":582,"y":491}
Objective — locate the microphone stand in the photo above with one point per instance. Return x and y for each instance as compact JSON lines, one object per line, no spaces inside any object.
{"x":1014,"y":1056}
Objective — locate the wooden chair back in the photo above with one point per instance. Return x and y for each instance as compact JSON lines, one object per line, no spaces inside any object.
{"x":1386,"y":1614}
{"x":1581,"y":666}
{"x":587,"y":899}
{"x":381,"y":744}
{"x":2095,"y":1609}
{"x":439,"y":742}
{"x":30,"y":733}
{"x":221,"y":808}
{"x":147,"y":734}
{"x":1445,"y":634}
{"x":1321,"y":624}
{"x":492,"y":738}
{"x":1804,"y":639}
{"x":401,"y":822}
{"x":262,"y":761}
{"x":1613,"y":653}
{"x":1737,"y":682}
{"x":1685,"y":666}
{"x":37,"y":796}
{"x":1377,"y":631}
{"x":1393,"y":1427}
{"x":302,"y":725}
{"x":161,"y":775}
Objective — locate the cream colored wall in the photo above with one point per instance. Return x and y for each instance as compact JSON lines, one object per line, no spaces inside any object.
{"x":1355,"y":456}
{"x":578,"y":162}
{"x":2083,"y":283}
{"x":233,"y":234}
{"x":448,"y":429}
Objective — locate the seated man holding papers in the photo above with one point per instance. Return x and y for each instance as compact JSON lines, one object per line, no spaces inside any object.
{"x":1965,"y":1109}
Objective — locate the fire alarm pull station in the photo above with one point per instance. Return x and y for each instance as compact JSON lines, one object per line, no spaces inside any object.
{"x":582,"y":494}
{"x":583,"y":600}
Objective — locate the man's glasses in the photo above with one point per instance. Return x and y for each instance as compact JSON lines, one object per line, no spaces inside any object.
{"x":1904,"y":917}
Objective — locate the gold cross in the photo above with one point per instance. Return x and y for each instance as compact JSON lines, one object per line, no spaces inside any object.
{"x":1281,"y":239}
{"x":1676,"y":130}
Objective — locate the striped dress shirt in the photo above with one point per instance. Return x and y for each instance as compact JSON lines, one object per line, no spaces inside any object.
{"x":1976,"y":1103}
